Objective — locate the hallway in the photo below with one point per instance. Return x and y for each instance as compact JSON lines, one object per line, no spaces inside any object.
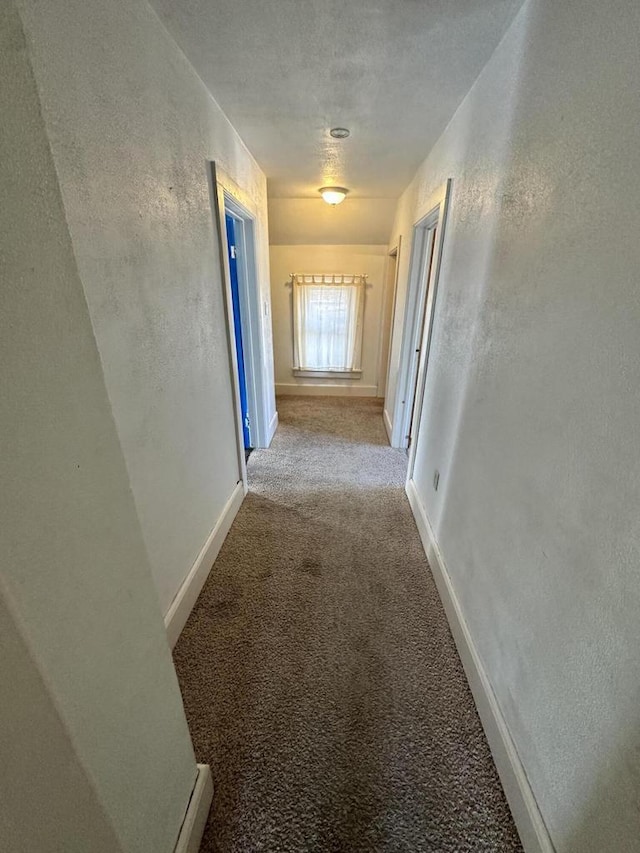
{"x":319,"y":676}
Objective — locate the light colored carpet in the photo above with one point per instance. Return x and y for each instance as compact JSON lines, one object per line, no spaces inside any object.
{"x":320,"y":679}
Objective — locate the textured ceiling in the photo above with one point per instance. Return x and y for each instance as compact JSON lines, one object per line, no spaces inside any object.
{"x":285,"y":71}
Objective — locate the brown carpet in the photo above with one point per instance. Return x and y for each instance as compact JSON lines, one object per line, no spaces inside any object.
{"x":320,"y":679}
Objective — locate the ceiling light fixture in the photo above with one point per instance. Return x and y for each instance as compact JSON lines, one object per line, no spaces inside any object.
{"x":339,"y":132}
{"x":333,"y":195}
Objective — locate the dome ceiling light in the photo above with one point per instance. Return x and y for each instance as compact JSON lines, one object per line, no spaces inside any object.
{"x":339,"y":132}
{"x":333,"y":195}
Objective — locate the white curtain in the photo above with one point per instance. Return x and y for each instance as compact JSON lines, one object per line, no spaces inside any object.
{"x":327,"y":317}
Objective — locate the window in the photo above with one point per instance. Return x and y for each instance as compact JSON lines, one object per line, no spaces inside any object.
{"x":327,"y":322}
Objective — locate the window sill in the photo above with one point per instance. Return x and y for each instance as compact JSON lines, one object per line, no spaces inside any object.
{"x":328,"y":374}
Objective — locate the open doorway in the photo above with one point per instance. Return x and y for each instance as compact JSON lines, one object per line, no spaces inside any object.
{"x":235,"y":251}
{"x":236,"y":228}
{"x":418,"y":320}
{"x":387,"y":320}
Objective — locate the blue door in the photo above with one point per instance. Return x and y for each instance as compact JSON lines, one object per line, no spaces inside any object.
{"x":237,"y":325}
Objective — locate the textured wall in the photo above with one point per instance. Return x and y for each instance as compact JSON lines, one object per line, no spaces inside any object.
{"x":532,"y":407}
{"x":370,"y":260}
{"x":307,"y":221}
{"x":94,"y":747}
{"x":131,"y":129}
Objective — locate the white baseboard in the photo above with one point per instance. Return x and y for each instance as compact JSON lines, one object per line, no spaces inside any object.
{"x":526,"y":814}
{"x":271,"y":430}
{"x":387,"y":424}
{"x":326,"y":390}
{"x":195,"y":819}
{"x":186,"y":597}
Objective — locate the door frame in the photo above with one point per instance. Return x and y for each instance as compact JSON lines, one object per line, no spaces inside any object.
{"x":251,"y":316}
{"x":416,"y":337}
{"x":387,"y":322}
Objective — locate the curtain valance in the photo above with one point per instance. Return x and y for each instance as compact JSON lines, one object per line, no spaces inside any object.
{"x":327,"y":278}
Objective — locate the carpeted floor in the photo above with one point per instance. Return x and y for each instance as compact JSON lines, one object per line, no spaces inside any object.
{"x":319,"y":676}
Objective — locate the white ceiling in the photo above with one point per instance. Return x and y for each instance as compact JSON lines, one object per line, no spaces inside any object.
{"x":285,"y":71}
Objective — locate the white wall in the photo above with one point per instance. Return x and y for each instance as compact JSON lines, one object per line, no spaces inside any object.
{"x":94,"y":747}
{"x":307,"y":221}
{"x":131,"y":129}
{"x":532,"y":406}
{"x":370,"y":260}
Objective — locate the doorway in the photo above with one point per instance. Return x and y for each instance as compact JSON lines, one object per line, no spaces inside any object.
{"x":246,"y":310}
{"x":233,"y":250}
{"x":418,"y":322}
{"x":387,"y":319}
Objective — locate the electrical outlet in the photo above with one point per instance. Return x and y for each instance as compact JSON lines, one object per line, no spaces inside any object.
{"x":436,"y":479}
